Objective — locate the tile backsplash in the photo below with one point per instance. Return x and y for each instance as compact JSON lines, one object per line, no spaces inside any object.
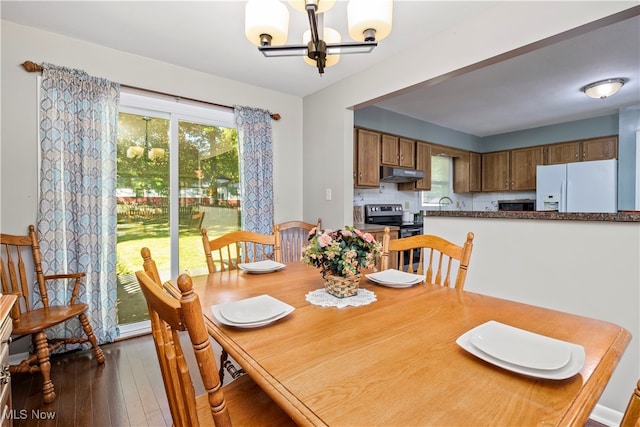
{"x":411,"y":200}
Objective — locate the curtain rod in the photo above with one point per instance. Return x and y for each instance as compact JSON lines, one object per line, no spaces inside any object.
{"x":32,"y":67}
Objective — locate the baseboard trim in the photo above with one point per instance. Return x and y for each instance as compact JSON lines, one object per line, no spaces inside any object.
{"x":131,"y":330}
{"x":606,"y":416}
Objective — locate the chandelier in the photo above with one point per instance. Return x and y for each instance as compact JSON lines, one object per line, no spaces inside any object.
{"x":267,"y":26}
{"x":148,"y":152}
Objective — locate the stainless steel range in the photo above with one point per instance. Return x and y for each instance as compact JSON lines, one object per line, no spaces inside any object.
{"x":390,"y":214}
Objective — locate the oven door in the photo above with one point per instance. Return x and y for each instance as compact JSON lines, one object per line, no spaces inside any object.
{"x":406,"y":257}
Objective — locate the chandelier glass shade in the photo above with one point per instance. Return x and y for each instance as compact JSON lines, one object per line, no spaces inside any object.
{"x":146,"y":152}
{"x":364,"y":15}
{"x":267,"y":22}
{"x":604,"y":88}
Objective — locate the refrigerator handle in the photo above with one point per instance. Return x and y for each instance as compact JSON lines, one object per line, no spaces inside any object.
{"x":563,"y":197}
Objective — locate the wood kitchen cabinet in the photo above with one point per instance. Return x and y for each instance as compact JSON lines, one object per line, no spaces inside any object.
{"x":602,"y":148}
{"x":566,"y":152}
{"x":367,"y":159}
{"x":511,"y":170}
{"x":397,"y":151}
{"x":423,"y":163}
{"x":475,"y":172}
{"x":467,"y":173}
{"x":524,"y":162}
{"x":495,"y":171}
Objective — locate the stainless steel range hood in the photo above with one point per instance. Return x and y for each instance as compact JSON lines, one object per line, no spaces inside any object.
{"x":393,"y":174}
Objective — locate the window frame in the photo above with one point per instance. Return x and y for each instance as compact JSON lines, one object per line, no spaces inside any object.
{"x":449,"y":181}
{"x":174,"y":110}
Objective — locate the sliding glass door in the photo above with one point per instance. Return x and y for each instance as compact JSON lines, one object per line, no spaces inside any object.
{"x":178,"y":172}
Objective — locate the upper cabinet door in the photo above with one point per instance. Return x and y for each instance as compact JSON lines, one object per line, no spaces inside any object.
{"x":495,"y":171}
{"x":475,"y":172}
{"x":407,"y":148}
{"x":423,"y":163}
{"x":566,"y":152}
{"x":600,"y":148}
{"x":367,"y":172}
{"x":390,"y":153}
{"x":524,"y":163}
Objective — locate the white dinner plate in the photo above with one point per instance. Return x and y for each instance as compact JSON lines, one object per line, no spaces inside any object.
{"x":395,"y":278}
{"x":251,"y":312}
{"x":571,"y":367}
{"x":520,"y":347}
{"x":265,"y":266}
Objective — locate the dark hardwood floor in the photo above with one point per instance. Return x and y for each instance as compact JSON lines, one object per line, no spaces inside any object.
{"x":126,"y":391}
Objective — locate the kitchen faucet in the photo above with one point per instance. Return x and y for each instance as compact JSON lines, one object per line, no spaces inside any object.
{"x":442,"y":200}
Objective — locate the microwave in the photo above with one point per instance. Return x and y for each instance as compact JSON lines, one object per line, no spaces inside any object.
{"x":516,"y":205}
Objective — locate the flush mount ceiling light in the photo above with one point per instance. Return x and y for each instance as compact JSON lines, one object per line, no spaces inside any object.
{"x":267,"y":26}
{"x":604,"y":88}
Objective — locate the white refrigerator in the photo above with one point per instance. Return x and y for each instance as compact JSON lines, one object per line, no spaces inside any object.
{"x":578,"y":187}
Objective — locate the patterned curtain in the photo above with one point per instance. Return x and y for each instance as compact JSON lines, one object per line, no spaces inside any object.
{"x":77,"y":213}
{"x":256,"y":168}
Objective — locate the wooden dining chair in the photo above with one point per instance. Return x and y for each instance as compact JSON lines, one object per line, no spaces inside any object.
{"x":631,"y":416}
{"x":196,"y":221}
{"x":20,"y":269}
{"x":241,"y":402}
{"x":237,"y":247}
{"x":291,"y":237}
{"x":429,"y":255}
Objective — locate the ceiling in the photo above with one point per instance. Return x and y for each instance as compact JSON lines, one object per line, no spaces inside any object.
{"x":535,"y":89}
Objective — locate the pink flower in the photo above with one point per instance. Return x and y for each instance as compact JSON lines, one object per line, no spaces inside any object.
{"x":368,"y":237}
{"x":324,"y":240}
{"x":347,"y":233}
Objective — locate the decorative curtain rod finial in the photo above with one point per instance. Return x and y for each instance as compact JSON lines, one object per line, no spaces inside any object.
{"x":32,"y":67}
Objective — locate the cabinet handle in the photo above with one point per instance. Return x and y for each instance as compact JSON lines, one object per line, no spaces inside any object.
{"x":5,"y":375}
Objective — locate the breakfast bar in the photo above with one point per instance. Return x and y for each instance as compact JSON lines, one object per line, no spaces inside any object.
{"x":581,"y":263}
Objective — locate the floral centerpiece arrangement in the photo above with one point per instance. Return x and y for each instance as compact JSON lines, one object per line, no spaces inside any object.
{"x":340,"y":254}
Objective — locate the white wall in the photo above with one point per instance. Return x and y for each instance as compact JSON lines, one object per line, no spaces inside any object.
{"x":506,"y":26}
{"x":19,"y":146}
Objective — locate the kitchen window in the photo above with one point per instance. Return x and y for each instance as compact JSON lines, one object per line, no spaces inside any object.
{"x":441,"y":179}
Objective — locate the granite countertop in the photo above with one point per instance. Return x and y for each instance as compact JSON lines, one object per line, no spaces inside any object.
{"x":622,"y":216}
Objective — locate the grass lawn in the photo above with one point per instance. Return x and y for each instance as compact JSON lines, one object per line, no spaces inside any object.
{"x":134,"y":236}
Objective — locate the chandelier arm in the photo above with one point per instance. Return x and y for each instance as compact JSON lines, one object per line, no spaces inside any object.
{"x":313,"y":24}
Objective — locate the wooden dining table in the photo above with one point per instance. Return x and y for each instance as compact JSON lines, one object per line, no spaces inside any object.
{"x":395,"y":361}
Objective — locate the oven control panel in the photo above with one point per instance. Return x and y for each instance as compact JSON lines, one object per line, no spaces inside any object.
{"x":383,"y":210}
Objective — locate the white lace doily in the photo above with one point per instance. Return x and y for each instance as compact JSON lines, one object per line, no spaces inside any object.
{"x":325,"y":299}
